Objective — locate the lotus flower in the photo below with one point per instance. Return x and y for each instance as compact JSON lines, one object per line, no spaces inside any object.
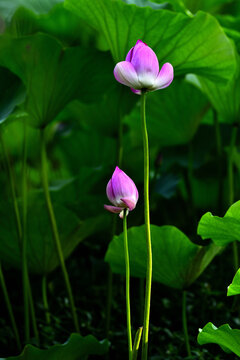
{"x":140,"y":70}
{"x":121,"y":192}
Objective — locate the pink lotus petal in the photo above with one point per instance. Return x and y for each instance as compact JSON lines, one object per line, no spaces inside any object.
{"x":130,"y":204}
{"x":132,"y":50}
{"x":138,"y":92}
{"x":165,"y":77}
{"x":113,"y":209}
{"x":123,"y":187}
{"x":125,"y":73}
{"x":109,"y":192}
{"x":145,"y":63}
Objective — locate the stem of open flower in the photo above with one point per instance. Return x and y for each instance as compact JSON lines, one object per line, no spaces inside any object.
{"x":55,"y":228}
{"x":148,"y":232}
{"x":129,"y":330}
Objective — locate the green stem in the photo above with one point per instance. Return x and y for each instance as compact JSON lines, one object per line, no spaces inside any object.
{"x":55,"y":228}
{"x":45,"y":300}
{"x":231,"y":188}
{"x":129,"y":330}
{"x":136,"y":343}
{"x":24,"y":238}
{"x":184,"y":322}
{"x":9,"y":307}
{"x":148,"y":233}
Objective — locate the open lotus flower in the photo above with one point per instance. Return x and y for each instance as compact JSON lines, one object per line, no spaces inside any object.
{"x":121,"y":192}
{"x":140,"y":70}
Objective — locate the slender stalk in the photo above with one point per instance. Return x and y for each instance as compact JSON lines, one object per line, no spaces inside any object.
{"x":184,"y":322}
{"x":55,"y":228}
{"x":148,"y":233}
{"x":231,"y":188}
{"x":24,"y":238}
{"x":128,"y":309}
{"x":45,"y":300}
{"x":9,"y":307}
{"x":136,"y":343}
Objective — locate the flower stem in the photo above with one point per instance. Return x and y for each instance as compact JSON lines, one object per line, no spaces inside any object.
{"x":24,"y":238}
{"x":129,"y":330}
{"x":219,"y":160}
{"x":184,"y":322}
{"x":45,"y":300}
{"x":148,"y":232}
{"x":231,"y":188}
{"x":9,"y":307}
{"x":55,"y":228}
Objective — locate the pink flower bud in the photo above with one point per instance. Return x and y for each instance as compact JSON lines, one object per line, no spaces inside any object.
{"x":121,"y":192}
{"x":140,"y":70}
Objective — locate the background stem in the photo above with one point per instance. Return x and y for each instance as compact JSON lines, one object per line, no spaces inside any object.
{"x":55,"y":228}
{"x":148,"y":233}
{"x":9,"y":307}
{"x":184,"y":322}
{"x":231,"y":188}
{"x":24,"y":238}
{"x":128,"y":309}
{"x":45,"y":300}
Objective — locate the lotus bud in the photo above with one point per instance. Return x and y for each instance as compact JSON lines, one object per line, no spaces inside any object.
{"x":121,"y":192}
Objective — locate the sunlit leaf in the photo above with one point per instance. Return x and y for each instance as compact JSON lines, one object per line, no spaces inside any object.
{"x":224,"y":336}
{"x":234,"y":287}
{"x":222,"y":230}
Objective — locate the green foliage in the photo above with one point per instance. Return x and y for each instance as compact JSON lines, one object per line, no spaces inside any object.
{"x":177,"y":262}
{"x":222,"y":230}
{"x":224,"y":336}
{"x":52,"y":74}
{"x":41,"y":253}
{"x":176,"y":38}
{"x":77,"y":347}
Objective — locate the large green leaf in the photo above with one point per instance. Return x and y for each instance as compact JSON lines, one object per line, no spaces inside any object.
{"x":224,"y":336}
{"x":41,"y":251}
{"x":54,"y":75}
{"x":234,"y":287}
{"x":58,"y":22}
{"x":76,"y":348}
{"x":173,"y":115}
{"x":177,"y":262}
{"x":193,"y":45}
{"x":222,"y":230}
